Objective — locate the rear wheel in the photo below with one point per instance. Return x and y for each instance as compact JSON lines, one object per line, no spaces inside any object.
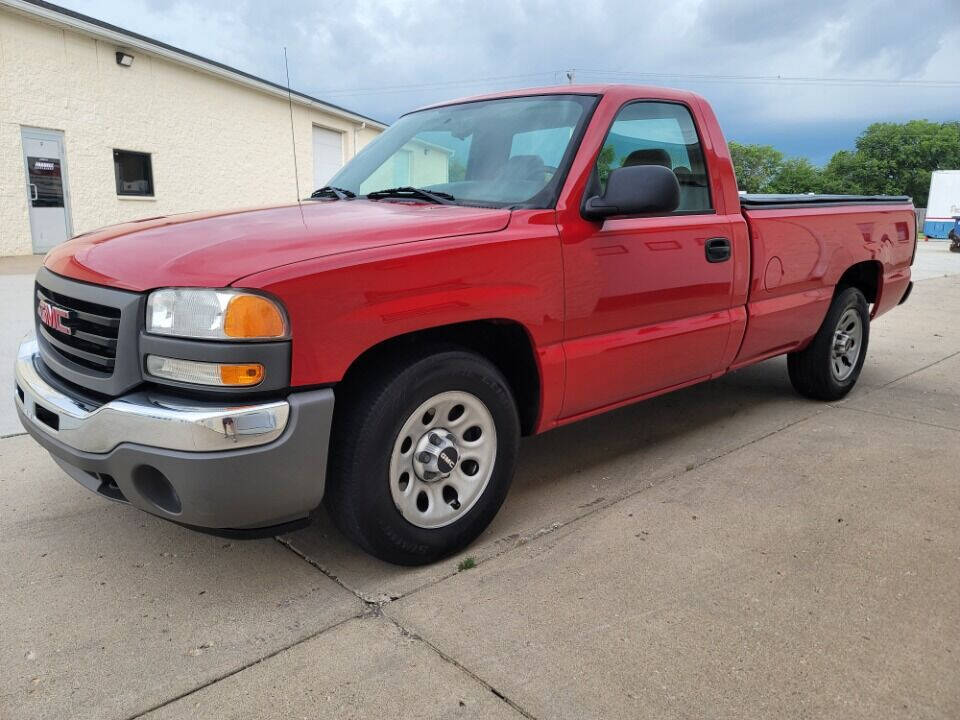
{"x":828,"y":368}
{"x":423,"y":456}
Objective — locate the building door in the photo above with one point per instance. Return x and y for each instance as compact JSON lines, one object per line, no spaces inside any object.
{"x":47,"y":198}
{"x":327,"y":155}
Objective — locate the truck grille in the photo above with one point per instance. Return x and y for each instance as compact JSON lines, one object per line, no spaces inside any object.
{"x":92,"y":340}
{"x":88,"y":333}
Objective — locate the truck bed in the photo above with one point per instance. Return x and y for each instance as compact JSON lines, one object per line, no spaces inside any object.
{"x":802,"y":244}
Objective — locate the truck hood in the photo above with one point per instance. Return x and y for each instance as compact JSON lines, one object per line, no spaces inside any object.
{"x":216,"y":249}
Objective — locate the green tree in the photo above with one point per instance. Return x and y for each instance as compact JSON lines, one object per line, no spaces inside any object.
{"x":605,"y":161}
{"x":756,"y":166}
{"x":796,"y":175}
{"x":839,"y":176}
{"x":457,"y":171}
{"x":896,"y":159}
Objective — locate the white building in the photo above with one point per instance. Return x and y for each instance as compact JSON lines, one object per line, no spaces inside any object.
{"x":99,"y":125}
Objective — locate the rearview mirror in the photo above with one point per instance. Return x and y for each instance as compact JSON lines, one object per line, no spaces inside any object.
{"x":635,"y":190}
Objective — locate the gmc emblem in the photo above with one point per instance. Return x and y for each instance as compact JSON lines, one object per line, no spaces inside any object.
{"x":53,"y":317}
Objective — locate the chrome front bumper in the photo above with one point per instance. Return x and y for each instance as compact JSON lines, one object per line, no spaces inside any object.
{"x":246,"y":467}
{"x":142,"y":417}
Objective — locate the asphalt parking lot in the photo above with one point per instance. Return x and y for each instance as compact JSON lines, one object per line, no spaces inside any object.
{"x":731,"y":550}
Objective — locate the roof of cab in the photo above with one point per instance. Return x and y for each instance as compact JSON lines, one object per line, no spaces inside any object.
{"x":623,"y":92}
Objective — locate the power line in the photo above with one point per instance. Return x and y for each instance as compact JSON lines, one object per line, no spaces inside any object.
{"x":557,"y":77}
{"x":549,"y":74}
{"x":784,"y":79}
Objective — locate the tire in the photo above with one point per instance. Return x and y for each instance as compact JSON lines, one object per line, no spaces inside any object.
{"x":378,"y":482}
{"x":820,"y":371}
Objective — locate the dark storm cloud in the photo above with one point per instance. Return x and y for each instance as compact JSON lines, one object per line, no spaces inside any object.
{"x":734,"y":22}
{"x":383,"y":58}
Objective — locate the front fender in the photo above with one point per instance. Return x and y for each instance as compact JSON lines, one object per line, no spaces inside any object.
{"x":340,"y":306}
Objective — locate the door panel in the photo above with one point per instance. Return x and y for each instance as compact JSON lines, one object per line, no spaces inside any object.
{"x":648,"y":298}
{"x":645,"y":308}
{"x":46,"y":188}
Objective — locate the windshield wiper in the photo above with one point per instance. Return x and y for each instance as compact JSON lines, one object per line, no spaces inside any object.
{"x":336,"y":193}
{"x":441,"y":198}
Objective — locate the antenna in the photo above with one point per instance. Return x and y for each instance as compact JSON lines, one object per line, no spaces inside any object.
{"x":293,"y":137}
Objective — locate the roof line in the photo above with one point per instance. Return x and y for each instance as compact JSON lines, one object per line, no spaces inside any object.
{"x":33,"y":6}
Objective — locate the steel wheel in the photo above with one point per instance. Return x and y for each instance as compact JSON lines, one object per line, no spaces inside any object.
{"x":847,"y":343}
{"x":443,"y":459}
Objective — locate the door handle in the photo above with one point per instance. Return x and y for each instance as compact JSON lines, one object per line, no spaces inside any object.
{"x":717,"y":249}
{"x":33,"y":192}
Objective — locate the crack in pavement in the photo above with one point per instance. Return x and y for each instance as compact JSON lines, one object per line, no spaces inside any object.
{"x":891,"y":416}
{"x":246,"y":666}
{"x":457,"y":664}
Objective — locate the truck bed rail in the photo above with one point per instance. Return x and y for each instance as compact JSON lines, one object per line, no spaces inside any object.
{"x":757,"y":201}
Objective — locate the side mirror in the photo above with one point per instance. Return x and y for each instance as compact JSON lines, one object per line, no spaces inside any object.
{"x":635,"y":190}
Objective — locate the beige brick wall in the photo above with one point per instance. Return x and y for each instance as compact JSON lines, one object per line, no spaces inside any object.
{"x":214,"y":143}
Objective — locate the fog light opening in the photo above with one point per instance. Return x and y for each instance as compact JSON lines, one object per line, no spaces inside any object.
{"x":154,"y":486}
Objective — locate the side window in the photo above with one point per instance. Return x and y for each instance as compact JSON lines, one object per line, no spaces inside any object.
{"x":652,"y":133}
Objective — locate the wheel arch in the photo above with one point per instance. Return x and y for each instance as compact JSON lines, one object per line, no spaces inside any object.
{"x":866,"y":276}
{"x":507,"y":344}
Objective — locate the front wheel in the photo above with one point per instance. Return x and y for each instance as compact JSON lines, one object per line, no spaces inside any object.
{"x":828,"y":368}
{"x":423,"y":456}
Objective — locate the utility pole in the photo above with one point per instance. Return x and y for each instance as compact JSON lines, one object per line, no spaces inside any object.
{"x":571,"y":75}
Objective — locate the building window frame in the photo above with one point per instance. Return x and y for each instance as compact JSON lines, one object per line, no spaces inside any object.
{"x":146,"y":191}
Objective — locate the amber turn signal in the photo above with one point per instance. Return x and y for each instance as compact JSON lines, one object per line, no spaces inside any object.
{"x":241,"y":375}
{"x":204,"y":373}
{"x":252,"y":316}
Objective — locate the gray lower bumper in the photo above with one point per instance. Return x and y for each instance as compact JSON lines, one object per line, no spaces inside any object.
{"x":227,"y":467}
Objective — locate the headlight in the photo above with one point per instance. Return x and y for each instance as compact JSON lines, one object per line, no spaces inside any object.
{"x":214,"y":315}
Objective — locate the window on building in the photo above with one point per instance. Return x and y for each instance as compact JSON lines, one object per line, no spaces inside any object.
{"x":133,"y":172}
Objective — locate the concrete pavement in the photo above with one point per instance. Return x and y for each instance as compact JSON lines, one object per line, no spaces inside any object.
{"x":16,"y":320}
{"x":731,"y":550}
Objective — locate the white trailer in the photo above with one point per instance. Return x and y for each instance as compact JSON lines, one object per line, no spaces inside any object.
{"x":943,"y":204}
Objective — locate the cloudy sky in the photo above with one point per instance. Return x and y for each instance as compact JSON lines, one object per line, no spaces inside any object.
{"x":746,"y":56}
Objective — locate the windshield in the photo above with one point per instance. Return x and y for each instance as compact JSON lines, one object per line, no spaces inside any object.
{"x":497,"y":153}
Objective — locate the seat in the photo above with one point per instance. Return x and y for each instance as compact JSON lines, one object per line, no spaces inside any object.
{"x":524,"y":167}
{"x":648,"y":156}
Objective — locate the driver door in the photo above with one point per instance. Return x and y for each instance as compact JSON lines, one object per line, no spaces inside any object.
{"x":647,"y":307}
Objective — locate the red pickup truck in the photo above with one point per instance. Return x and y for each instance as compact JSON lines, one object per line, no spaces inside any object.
{"x":485,"y":269}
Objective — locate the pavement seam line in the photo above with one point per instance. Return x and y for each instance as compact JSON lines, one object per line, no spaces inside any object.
{"x":457,"y":664}
{"x":594,"y":509}
{"x":12,"y":435}
{"x":912,"y":372}
{"x":369,"y":602}
{"x":376,"y":608}
{"x":247,"y":666}
{"x":888,"y":416}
